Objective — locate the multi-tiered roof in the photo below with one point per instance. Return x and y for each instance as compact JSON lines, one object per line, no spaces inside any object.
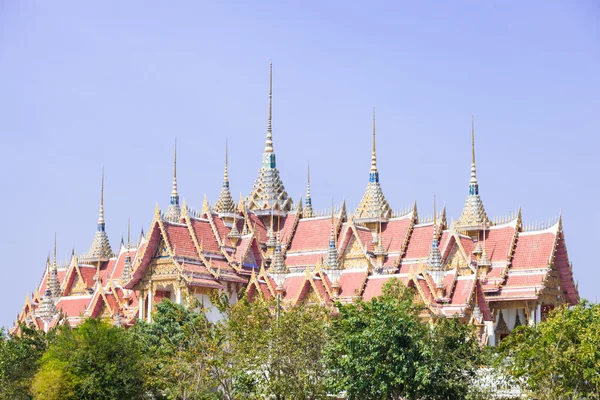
{"x":474,"y":268}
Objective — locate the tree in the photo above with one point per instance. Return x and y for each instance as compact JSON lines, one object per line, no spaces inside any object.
{"x":279,"y":357}
{"x":93,"y":361}
{"x":558,"y":358}
{"x":381,"y":350}
{"x":19,"y":355}
{"x":179,"y":346}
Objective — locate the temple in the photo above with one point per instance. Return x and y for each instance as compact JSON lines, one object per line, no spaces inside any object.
{"x":495,"y":273}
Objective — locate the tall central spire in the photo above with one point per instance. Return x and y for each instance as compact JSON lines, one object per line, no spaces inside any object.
{"x":100,"y":248}
{"x":269,"y":141}
{"x":174,"y":210}
{"x":101,"y":224}
{"x":53,"y":283}
{"x":268,"y":192}
{"x":473,"y":215}
{"x":225,"y":203}
{"x":373,"y":206}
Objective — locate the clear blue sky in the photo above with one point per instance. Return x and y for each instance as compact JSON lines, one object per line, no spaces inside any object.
{"x":113,"y":84}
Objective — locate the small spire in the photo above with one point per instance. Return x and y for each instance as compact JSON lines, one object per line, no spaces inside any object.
{"x":435,"y":256}
{"x":473,"y":168}
{"x":53,"y":283}
{"x":308,"y":211}
{"x":226,"y":174}
{"x":174,"y":210}
{"x":269,"y":142}
{"x":128,"y":233}
{"x":225,"y":203}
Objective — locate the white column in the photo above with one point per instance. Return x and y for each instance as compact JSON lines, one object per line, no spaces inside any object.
{"x":46,"y":326}
{"x":489,"y":326}
{"x":141,"y":305}
{"x":150,"y":303}
{"x":538,"y":314}
{"x":531,"y":319}
{"x":178,"y":295}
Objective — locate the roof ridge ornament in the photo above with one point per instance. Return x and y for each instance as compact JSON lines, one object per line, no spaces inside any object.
{"x":53,"y":283}
{"x":473,"y":215}
{"x":173,"y":213}
{"x":373,"y":206}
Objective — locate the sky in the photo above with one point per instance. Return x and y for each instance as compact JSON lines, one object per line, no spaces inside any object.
{"x":112,"y":84}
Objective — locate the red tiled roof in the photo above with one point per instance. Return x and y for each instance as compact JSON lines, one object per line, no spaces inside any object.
{"x":524,"y":280}
{"x":561,"y":263}
{"x":351,"y":283}
{"x":292,"y":286}
{"x":303,"y":260}
{"x":257,"y":225}
{"x":394,"y":234}
{"x":73,"y":306}
{"x":419,"y":242}
{"x":180,"y":240}
{"x":117,"y":271}
{"x":286,"y":225}
{"x":462,"y":291}
{"x":366,"y":238}
{"x":204,"y":235}
{"x":374,"y":286}
{"x":498,"y":242}
{"x":533,"y":250}
{"x":311,"y":234}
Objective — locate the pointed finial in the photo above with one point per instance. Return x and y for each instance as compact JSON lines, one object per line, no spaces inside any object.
{"x":269,"y":142}
{"x":174,"y":192}
{"x":308,"y":211}
{"x":54,"y":262}
{"x":434,"y":214}
{"x":226,"y":177}
{"x":101,"y":214}
{"x":128,"y":233}
{"x":156,"y":211}
{"x":473,"y":140}
{"x":373,"y":149}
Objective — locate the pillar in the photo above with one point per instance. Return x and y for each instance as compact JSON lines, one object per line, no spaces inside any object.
{"x":489,"y":326}
{"x":538,"y":314}
{"x":141,"y":305}
{"x":150,"y":303}
{"x":178,"y":295}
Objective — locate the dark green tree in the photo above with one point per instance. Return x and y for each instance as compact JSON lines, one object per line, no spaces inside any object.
{"x":19,"y":356}
{"x":381,"y":350}
{"x":93,"y":361}
{"x":558,"y":358}
{"x":278,"y":357}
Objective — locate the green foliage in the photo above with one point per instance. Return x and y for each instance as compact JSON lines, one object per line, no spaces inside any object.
{"x":560,"y":357}
{"x":381,"y":350}
{"x":279,"y":357}
{"x":18,"y":362}
{"x":93,"y":361}
{"x":178,"y":346}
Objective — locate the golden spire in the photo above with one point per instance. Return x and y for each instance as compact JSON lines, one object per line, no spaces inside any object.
{"x":308,"y":211}
{"x":174,"y":191}
{"x":373,"y":150}
{"x":128,"y":233}
{"x":269,"y":142}
{"x":174,"y":210}
{"x":54,"y":262}
{"x":473,"y":140}
{"x":226,"y":174}
{"x":101,"y":216}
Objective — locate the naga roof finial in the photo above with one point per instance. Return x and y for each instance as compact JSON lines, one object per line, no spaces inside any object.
{"x":174,"y":210}
{"x":308,"y":211}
